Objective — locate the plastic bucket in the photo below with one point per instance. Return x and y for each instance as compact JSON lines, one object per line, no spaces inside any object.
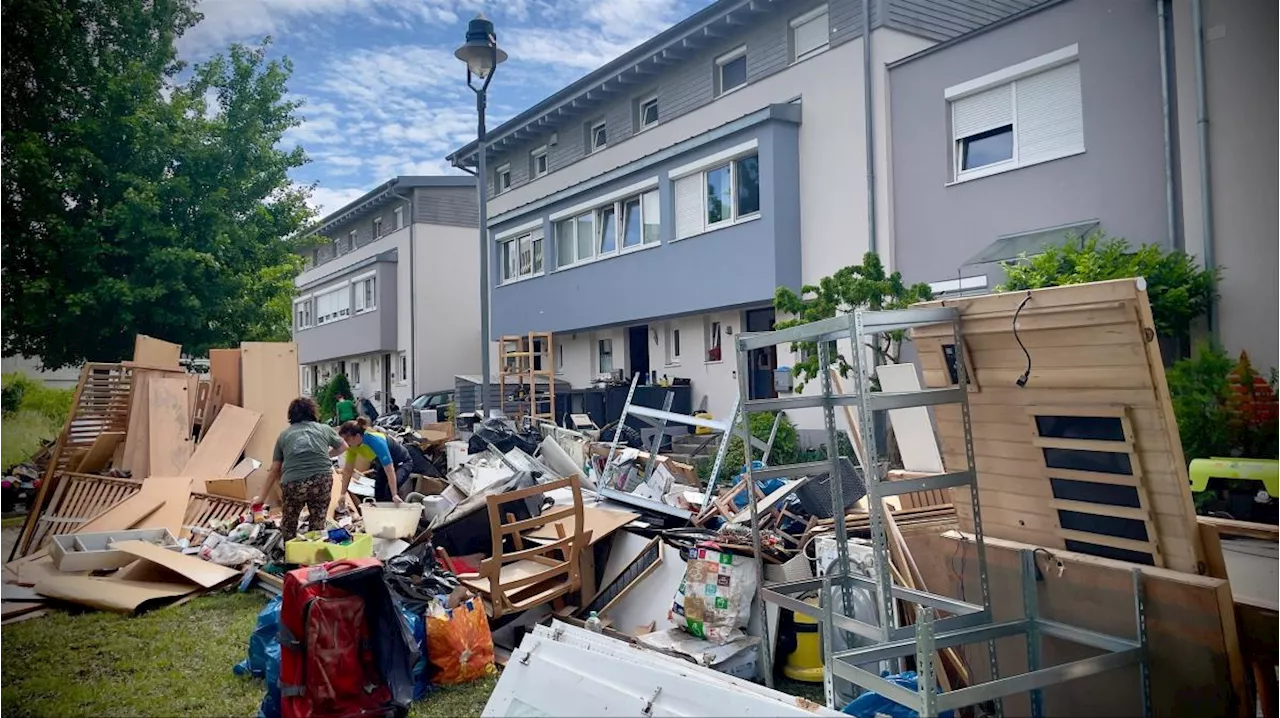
{"x":384,"y":519}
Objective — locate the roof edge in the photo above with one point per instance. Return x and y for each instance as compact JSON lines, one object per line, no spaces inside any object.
{"x":1006,"y":20}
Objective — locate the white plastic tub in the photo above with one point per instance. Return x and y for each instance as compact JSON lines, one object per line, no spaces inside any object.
{"x":384,"y":519}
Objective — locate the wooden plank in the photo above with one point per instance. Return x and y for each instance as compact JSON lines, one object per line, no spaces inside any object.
{"x":224,"y":371}
{"x":912,"y":427}
{"x":169,"y":425}
{"x":269,"y":377}
{"x":1243,"y":529}
{"x":221,"y":448}
{"x":1010,"y":356}
{"x":152,"y":352}
{"x":1044,"y":377}
{"x":101,"y":452}
{"x":1196,"y":669}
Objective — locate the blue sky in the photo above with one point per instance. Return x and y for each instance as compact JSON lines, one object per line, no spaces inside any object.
{"x":384,"y":94}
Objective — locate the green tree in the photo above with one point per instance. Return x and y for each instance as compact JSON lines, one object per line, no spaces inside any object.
{"x":860,"y":286}
{"x":1178,"y":288}
{"x":135,"y":202}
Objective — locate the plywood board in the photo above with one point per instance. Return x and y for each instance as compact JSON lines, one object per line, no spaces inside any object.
{"x":196,"y":570}
{"x":175,"y":493}
{"x":157,"y":353}
{"x":600,"y":522}
{"x":169,"y":425}
{"x":118,"y":596}
{"x":100,"y":452}
{"x":232,"y":488}
{"x":221,"y":447}
{"x":1196,"y":667}
{"x":1115,"y":362}
{"x":912,"y":427}
{"x":269,"y":377}
{"x":224,"y":372}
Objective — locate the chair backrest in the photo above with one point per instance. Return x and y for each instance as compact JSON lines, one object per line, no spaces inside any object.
{"x":514,"y":594}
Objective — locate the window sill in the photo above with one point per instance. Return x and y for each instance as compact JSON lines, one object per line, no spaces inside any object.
{"x":1011,"y":167}
{"x":721,"y":225}
{"x":607,"y":257}
{"x":365,"y":311}
{"x":810,"y":54}
{"x":674,"y":364}
{"x":713,"y":361}
{"x":507,"y":282}
{"x":732,"y":89}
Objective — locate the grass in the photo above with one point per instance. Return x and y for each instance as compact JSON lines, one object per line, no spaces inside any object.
{"x":22,"y":432}
{"x":172,"y":661}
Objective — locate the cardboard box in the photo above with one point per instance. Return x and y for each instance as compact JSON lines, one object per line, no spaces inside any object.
{"x":94,"y":551}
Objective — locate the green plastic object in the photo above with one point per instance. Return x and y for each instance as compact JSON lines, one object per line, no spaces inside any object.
{"x":1265,"y":470}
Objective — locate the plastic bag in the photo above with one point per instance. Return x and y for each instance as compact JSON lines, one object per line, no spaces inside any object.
{"x":235,"y":555}
{"x":459,"y":645}
{"x":264,"y":657}
{"x":870,"y":705}
{"x":714,"y":597}
{"x":421,"y":686}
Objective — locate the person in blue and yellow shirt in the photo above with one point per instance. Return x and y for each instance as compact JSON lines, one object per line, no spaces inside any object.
{"x":390,"y":461}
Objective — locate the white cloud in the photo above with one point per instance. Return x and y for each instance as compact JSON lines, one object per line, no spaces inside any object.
{"x":329,"y":199}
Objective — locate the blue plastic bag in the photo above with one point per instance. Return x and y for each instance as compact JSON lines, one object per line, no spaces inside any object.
{"x":869,"y":704}
{"x":270,"y":706}
{"x":421,"y":685}
{"x":263,"y":636}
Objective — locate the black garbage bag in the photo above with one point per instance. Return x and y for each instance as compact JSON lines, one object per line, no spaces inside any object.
{"x":628,"y":436}
{"x":496,"y":432}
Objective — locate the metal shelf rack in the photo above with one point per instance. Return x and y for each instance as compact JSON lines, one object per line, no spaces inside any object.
{"x":967,"y":623}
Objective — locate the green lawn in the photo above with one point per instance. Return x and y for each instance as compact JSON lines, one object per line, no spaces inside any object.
{"x":172,"y":661}
{"x":20,"y":435}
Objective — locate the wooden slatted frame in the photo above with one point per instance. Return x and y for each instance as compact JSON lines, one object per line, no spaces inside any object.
{"x":101,"y":404}
{"x":203,"y":508}
{"x":78,"y":498}
{"x":1128,"y":446}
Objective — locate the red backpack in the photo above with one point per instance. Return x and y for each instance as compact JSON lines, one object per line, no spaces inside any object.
{"x":339,"y":643}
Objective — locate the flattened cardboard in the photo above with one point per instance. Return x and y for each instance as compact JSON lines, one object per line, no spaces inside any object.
{"x":116,"y":595}
{"x":600,"y":522}
{"x":222,"y":446}
{"x":196,"y":570}
{"x":244,"y":468}
{"x":152,"y":352}
{"x":230,"y":487}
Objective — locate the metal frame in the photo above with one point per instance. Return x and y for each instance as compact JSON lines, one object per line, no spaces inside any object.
{"x":967,"y":622}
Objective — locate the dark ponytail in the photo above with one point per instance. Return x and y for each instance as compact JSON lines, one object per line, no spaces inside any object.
{"x":355,"y":427}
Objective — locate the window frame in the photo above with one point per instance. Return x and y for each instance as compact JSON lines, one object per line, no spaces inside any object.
{"x":352,"y":238}
{"x":721,"y":62}
{"x":960,"y":144}
{"x":539,"y":153}
{"x":641,"y":104}
{"x":537,"y":268}
{"x":601,"y":344}
{"x":804,"y":19}
{"x":672,"y":348}
{"x":617,"y":208}
{"x":304,"y":307}
{"x":377,"y":227}
{"x":592,"y":131}
{"x":713,"y":342}
{"x":398,"y":214}
{"x":358,"y":285}
{"x":403,"y":377}
{"x":502,"y":178}
{"x":338,"y":315}
{"x":355,"y":373}
{"x":717,"y":163}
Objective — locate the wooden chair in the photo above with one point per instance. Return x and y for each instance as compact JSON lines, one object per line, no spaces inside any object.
{"x":514,"y":581}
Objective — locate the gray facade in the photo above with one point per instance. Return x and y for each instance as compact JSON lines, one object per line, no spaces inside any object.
{"x":736,"y":265}
{"x":363,"y":333}
{"x":1116,"y":182}
{"x":678,"y":67}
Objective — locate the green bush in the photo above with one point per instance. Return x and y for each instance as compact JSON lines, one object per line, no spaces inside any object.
{"x":327,"y":395}
{"x":33,"y":413}
{"x":1178,"y":288}
{"x":786,"y":445}
{"x":1212,"y":418}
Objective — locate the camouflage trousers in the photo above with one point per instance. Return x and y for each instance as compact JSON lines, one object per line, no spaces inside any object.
{"x":312,"y":492}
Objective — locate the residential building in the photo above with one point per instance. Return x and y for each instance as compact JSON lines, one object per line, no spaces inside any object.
{"x":648,"y":212}
{"x":390,"y":294}
{"x":1052,"y":124}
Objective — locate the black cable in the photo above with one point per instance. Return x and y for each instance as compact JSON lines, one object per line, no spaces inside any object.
{"x":1026,"y":375}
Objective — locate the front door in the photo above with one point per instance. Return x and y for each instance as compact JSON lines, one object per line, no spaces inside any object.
{"x":638,"y":352}
{"x":386,"y":380}
{"x":762,"y":361}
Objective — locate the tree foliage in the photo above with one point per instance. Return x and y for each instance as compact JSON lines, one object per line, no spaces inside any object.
{"x":136,"y":201}
{"x":786,"y":445}
{"x":860,"y":286}
{"x":1178,"y":288}
{"x":327,"y":395}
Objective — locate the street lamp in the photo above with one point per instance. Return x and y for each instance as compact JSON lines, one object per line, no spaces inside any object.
{"x":482,"y":56}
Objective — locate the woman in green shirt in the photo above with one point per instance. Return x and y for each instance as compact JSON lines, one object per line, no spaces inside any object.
{"x":301,"y":464}
{"x":346,"y":409}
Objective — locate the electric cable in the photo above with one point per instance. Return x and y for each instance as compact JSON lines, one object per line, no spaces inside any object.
{"x":1026,"y":375}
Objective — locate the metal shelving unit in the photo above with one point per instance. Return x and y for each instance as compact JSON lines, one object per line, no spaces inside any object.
{"x":967,"y":623}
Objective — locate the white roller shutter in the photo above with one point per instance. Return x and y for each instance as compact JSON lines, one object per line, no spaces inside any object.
{"x":1050,"y":117}
{"x":688,"y":193}
{"x":981,"y":112}
{"x":811,"y":34}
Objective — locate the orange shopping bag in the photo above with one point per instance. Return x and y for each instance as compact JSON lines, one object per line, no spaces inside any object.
{"x":459,"y":644}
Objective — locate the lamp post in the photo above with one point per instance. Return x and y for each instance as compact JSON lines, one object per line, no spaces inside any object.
{"x":482,"y":56}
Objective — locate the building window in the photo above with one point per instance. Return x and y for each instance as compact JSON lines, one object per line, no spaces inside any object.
{"x":713,"y":341}
{"x":628,"y":223}
{"x":521,"y":257}
{"x":597,"y":137}
{"x":673,"y":345}
{"x":355,"y":373}
{"x":559,"y":358}
{"x":351,"y":239}
{"x":302,"y":309}
{"x":646,"y":113}
{"x":604,"y":356}
{"x":731,"y":71}
{"x":399,"y":217}
{"x":718,"y":196}
{"x":333,"y":305}
{"x":1000,"y":124}
{"x":374,"y":370}
{"x":810,"y":34}
{"x":377,"y":227}
{"x":502,"y":179}
{"x":404,"y":368}
{"x":366,"y":294}
{"x":538,"y":162}
{"x":306,"y":380}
